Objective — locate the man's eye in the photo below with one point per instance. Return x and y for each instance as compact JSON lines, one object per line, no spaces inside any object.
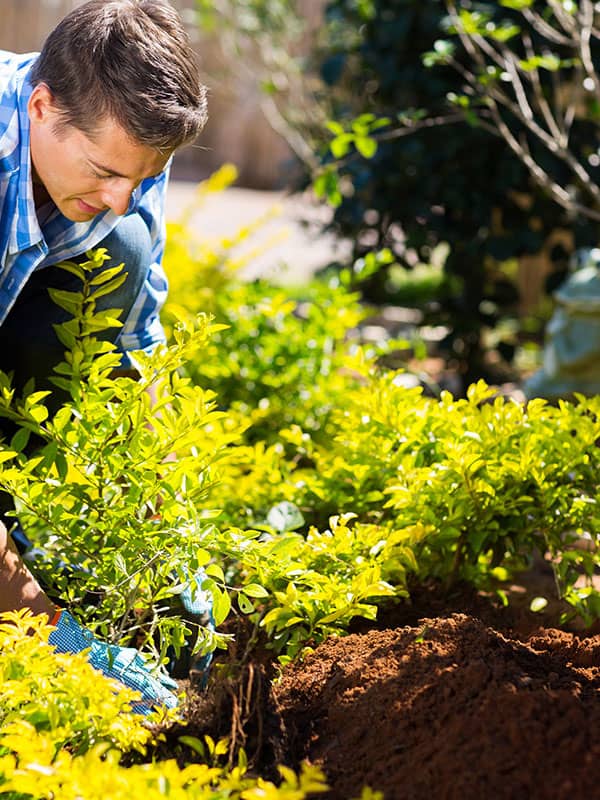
{"x":99,"y":175}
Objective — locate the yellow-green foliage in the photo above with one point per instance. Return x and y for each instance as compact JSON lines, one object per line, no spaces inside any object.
{"x":384,"y":487}
{"x":491,"y":481}
{"x":251,"y":480}
{"x":89,"y":494}
{"x":60,"y":696}
{"x":64,"y":728}
{"x":35,"y":770}
{"x":281,"y":359}
{"x":470,"y":488}
{"x":304,"y":588}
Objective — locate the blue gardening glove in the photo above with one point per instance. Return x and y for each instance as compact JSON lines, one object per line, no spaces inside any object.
{"x":198,"y":604}
{"x":124,"y":664}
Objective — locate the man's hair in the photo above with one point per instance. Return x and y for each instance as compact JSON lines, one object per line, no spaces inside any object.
{"x":131,"y":61}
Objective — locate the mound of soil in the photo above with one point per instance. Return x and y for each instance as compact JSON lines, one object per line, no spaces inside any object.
{"x":449,"y":696}
{"x":447,"y":709}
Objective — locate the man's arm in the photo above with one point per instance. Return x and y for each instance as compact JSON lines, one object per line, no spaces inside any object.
{"x":18,"y":588}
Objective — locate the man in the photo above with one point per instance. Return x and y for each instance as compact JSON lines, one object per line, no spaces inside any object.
{"x":87,"y":131}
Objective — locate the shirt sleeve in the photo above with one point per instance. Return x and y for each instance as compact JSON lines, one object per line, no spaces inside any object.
{"x":142,"y":330}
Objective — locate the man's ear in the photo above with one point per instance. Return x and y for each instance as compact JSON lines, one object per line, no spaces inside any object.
{"x":41,"y":107}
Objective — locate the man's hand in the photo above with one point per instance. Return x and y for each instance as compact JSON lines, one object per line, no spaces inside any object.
{"x":124,"y":664}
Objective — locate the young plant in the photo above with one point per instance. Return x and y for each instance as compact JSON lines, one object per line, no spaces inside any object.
{"x":303,"y":588}
{"x":114,"y":493}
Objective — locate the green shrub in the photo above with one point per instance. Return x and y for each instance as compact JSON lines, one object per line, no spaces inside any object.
{"x":60,"y":696}
{"x":64,"y":728}
{"x":278,"y":361}
{"x":303,"y":588}
{"x":491,"y":481}
{"x":449,"y":181}
{"x":475,"y":486}
{"x":279,"y":356}
{"x":89,"y":494}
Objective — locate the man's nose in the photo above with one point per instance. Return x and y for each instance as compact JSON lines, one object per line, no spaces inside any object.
{"x":117,"y":195}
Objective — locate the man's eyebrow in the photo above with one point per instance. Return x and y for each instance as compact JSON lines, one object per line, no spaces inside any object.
{"x":102,"y":168}
{"x":114,"y":173}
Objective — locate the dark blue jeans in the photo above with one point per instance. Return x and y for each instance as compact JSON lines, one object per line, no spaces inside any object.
{"x":29,"y":346}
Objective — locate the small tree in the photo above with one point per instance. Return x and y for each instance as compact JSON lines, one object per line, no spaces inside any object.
{"x":436,"y":173}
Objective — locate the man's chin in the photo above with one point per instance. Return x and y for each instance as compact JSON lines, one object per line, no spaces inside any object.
{"x":75,"y":213}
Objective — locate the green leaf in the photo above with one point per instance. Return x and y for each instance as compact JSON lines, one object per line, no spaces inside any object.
{"x":100,"y":322}
{"x":244,"y":604}
{"x":106,"y":275}
{"x":221,"y":606}
{"x":20,"y":439}
{"x":195,"y":744}
{"x":38,"y":413}
{"x":550,"y":62}
{"x":364,"y":120}
{"x":503,"y":33}
{"x":215,"y":571}
{"x":36,"y":397}
{"x":294,"y":621}
{"x":69,"y":301}
{"x":366,"y":146}
{"x":109,"y":287}
{"x":255,"y":590}
{"x":73,"y":268}
{"x":538,"y":604}
{"x":340,"y":146}
{"x":334,"y":127}
{"x":326,"y":186}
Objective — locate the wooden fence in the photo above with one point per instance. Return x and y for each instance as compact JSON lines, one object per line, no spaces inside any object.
{"x":24,"y":24}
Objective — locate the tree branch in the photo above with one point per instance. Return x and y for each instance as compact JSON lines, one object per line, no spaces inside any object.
{"x":540,"y":176}
{"x":538,"y":23}
{"x":554,"y":139}
{"x":587,"y":21}
{"x":564,"y":19}
{"x":556,"y":129}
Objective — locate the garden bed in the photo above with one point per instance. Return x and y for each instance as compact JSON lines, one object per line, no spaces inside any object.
{"x":444,"y":698}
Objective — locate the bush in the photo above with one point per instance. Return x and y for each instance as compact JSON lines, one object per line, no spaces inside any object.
{"x":89,"y":493}
{"x":470,"y":488}
{"x":64,"y":729}
{"x":276,"y":356}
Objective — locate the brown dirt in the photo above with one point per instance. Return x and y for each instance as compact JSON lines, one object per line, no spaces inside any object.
{"x":449,"y":709}
{"x":432,"y":704}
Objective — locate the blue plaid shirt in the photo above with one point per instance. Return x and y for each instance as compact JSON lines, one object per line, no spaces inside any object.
{"x":25,"y":246}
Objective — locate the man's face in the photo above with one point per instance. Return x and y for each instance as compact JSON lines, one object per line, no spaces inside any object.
{"x":84,"y":177}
